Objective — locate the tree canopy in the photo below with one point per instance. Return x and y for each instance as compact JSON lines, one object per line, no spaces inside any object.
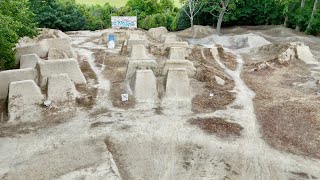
{"x":16,"y":21}
{"x":19,"y":18}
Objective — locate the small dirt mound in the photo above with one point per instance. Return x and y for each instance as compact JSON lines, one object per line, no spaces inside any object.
{"x":217,"y":126}
{"x":197,"y":32}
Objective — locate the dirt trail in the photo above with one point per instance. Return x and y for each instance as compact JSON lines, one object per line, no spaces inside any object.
{"x":149,"y":146}
{"x":146,"y":144}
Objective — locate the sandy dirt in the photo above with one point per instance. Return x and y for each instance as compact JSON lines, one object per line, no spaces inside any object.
{"x":242,"y":139}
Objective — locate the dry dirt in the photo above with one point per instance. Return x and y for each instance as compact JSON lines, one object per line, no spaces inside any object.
{"x":261,"y":125}
{"x":207,"y":68}
{"x":217,"y":126}
{"x":289,"y":114}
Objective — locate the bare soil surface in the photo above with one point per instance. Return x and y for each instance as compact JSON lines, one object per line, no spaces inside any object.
{"x":288,"y":112}
{"x":259,"y":125}
{"x":217,"y":126}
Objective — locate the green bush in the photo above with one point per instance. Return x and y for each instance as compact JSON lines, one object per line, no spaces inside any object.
{"x":16,"y":20}
{"x":55,"y":15}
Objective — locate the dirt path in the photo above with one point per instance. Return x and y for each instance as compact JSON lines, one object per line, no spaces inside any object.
{"x":150,"y":146}
{"x":147,"y":144}
{"x":165,"y":146}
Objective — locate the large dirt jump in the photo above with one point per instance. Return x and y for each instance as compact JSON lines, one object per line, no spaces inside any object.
{"x":245,"y":106}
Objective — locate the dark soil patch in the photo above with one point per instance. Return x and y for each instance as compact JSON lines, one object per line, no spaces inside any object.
{"x":99,"y":112}
{"x":292,"y":125}
{"x":88,"y":91}
{"x":3,"y":110}
{"x":14,"y":130}
{"x":207,"y":69}
{"x":115,"y":94}
{"x":115,"y":67}
{"x":100,"y":57}
{"x":203,"y":103}
{"x":301,"y":175}
{"x":217,"y":126}
{"x":112,"y":148}
{"x":100,"y":124}
{"x":158,"y":110}
{"x":87,"y":71}
{"x":227,"y":58}
{"x":200,"y":55}
{"x":115,"y":71}
{"x":289,"y":115}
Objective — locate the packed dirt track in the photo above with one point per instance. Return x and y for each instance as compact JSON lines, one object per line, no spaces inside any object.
{"x":241,"y":106}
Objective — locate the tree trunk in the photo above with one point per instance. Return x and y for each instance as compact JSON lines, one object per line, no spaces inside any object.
{"x":191,"y":22}
{"x":312,"y":14}
{"x":286,"y":17}
{"x":221,"y":15}
{"x":300,"y":14}
{"x":224,"y":4}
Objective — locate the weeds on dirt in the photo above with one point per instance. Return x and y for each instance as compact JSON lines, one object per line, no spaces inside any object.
{"x":88,"y":91}
{"x":87,"y":71}
{"x":215,"y":96}
{"x":14,"y":130}
{"x":289,"y":115}
{"x":217,"y":126}
{"x":100,"y":57}
{"x":115,"y":94}
{"x":115,"y":71}
{"x":227,"y":58}
{"x":112,"y":148}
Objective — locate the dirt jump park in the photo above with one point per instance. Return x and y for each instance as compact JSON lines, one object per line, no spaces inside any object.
{"x":163,"y":105}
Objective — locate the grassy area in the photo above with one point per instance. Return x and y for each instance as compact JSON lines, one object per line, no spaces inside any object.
{"x":117,"y":3}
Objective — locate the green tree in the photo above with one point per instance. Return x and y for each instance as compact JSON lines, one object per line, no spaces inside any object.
{"x":16,"y":20}
{"x":56,"y":15}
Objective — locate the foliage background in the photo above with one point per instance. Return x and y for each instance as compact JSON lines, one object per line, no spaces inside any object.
{"x":19,"y":18}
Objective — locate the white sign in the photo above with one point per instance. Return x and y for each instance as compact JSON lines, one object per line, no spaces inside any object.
{"x":124,"y":97}
{"x":129,"y":22}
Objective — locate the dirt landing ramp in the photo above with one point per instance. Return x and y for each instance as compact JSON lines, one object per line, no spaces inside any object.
{"x":305,"y":55}
{"x":177,"y":53}
{"x":186,"y":64}
{"x":176,"y":44}
{"x":61,"y":88}
{"x":157,"y":32}
{"x":56,"y":53}
{"x":138,"y":52}
{"x":6,"y":77}
{"x":136,"y":39}
{"x":178,"y":85}
{"x":145,"y":87}
{"x":168,"y":35}
{"x":139,"y":64}
{"x":51,"y":67}
{"x":29,"y":61}
{"x":25,"y":101}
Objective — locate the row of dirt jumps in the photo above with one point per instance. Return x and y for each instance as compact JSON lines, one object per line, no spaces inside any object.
{"x":47,"y":76}
{"x":157,"y":75}
{"x":45,"y":83}
{"x":151,"y":81}
{"x":243,"y":105}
